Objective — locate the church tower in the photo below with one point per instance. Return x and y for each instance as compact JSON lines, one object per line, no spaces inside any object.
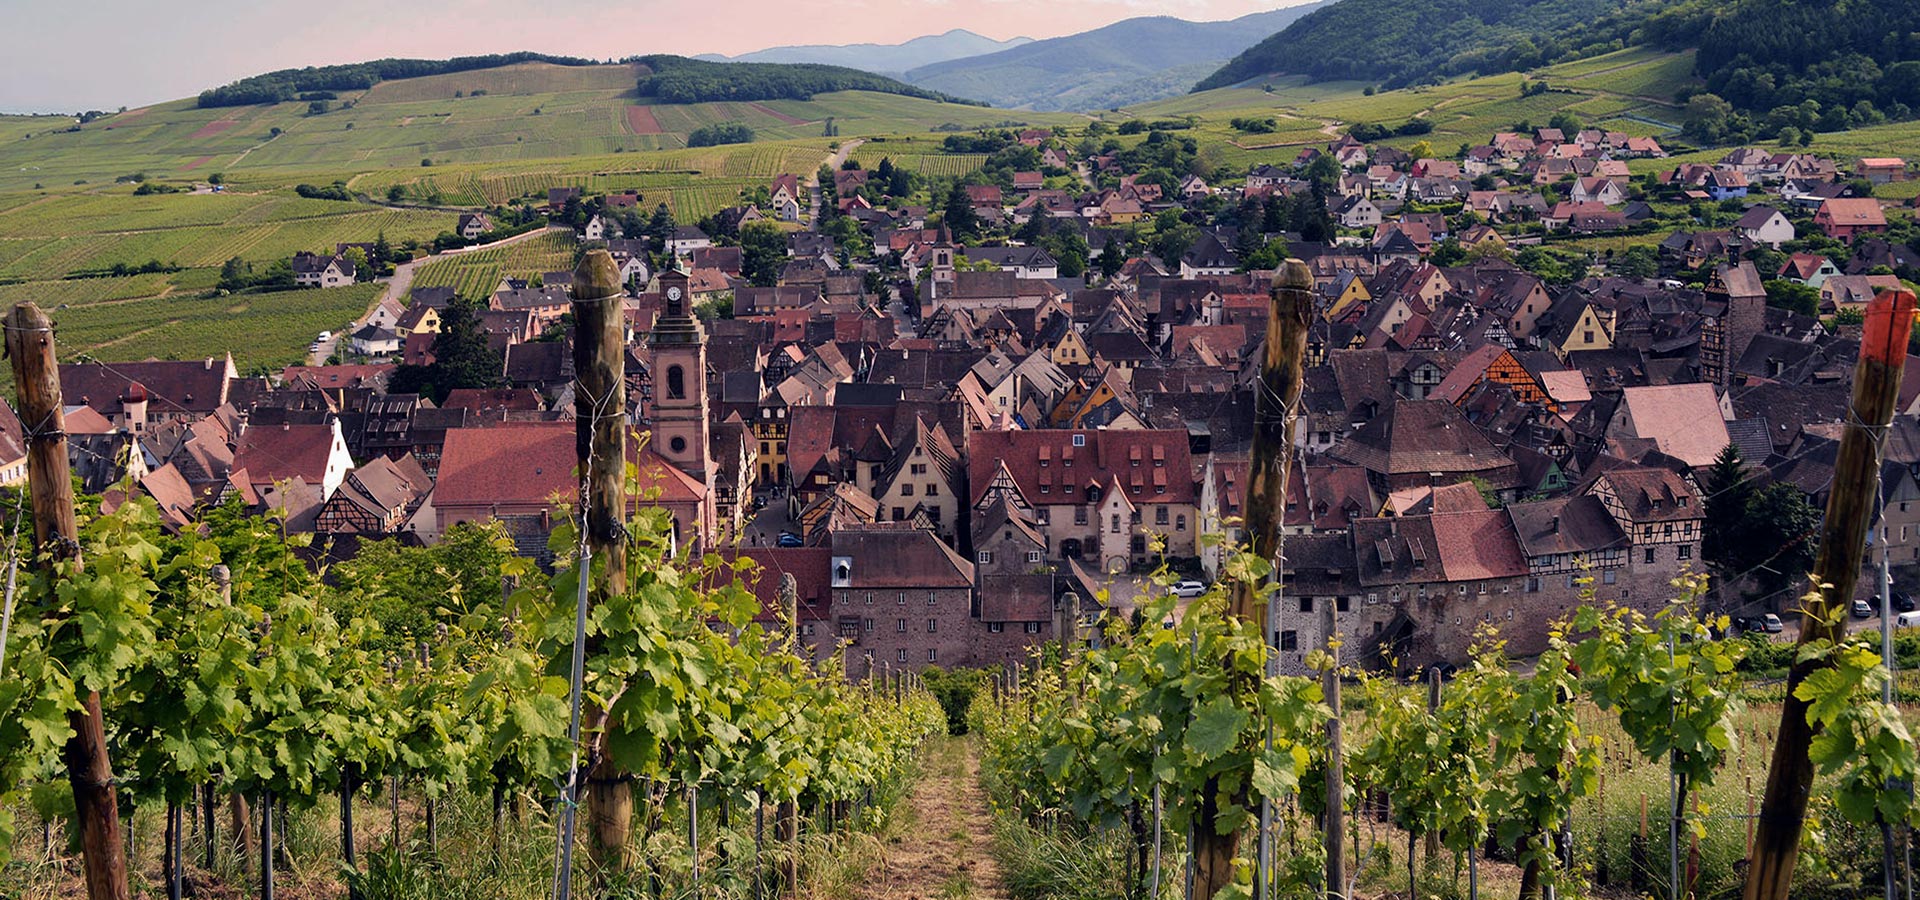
{"x":679,"y":349}
{"x":942,"y":268}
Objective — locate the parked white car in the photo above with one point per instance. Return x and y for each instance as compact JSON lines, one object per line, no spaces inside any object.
{"x":1188,"y":589}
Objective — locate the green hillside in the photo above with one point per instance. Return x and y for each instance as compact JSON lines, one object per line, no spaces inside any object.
{"x":532,"y":111}
{"x":1623,"y":91}
{"x":1770,"y":68}
{"x":1402,"y":42}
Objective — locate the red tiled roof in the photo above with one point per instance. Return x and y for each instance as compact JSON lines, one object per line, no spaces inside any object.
{"x":273,"y":453}
{"x":530,"y":462}
{"x":1037,"y":458}
{"x":1477,"y":545}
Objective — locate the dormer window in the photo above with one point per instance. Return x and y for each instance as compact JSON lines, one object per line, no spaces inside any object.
{"x":1079,"y":440}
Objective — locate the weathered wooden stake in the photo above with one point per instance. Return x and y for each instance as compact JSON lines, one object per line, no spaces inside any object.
{"x":600,"y":439}
{"x":1336,"y":824}
{"x":1850,"y":506}
{"x":1290,"y":313}
{"x":50,"y":481}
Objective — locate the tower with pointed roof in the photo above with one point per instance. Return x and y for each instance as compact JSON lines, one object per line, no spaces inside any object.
{"x":942,"y":263}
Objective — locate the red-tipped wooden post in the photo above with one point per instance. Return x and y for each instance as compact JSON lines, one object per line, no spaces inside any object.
{"x":50,"y":482}
{"x":1856,"y":474}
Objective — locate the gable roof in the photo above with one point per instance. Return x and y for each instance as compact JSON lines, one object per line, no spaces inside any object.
{"x":272,"y":453}
{"x":1682,"y":420}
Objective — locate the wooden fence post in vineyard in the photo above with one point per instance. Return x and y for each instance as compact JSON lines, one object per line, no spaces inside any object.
{"x":50,"y":481}
{"x":600,"y":435}
{"x":1856,"y":474}
{"x":1336,"y":824}
{"x":1290,"y":313}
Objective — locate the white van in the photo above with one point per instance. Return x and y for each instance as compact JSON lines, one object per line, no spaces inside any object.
{"x":1907,"y":620}
{"x":324,"y":336}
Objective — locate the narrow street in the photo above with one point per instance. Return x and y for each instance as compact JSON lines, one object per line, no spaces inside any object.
{"x":941,"y":847}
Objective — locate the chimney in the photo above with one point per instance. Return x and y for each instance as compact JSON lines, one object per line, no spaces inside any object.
{"x":1554,"y":525}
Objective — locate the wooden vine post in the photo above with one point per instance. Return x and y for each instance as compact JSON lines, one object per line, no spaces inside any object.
{"x":50,"y":480}
{"x":1850,"y":506}
{"x":1289,"y":314}
{"x":600,"y":434}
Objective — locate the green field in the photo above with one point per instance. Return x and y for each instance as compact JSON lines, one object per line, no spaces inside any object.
{"x":263,"y":331}
{"x":1628,"y":91}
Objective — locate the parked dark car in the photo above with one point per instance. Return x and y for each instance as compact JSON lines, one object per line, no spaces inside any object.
{"x":789,"y":539}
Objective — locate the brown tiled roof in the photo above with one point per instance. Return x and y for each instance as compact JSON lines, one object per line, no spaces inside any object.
{"x":171,"y":387}
{"x":1565,"y":525}
{"x":1654,"y":495}
{"x":807,"y":565}
{"x":1017,"y":598}
{"x":1477,"y":545}
{"x":897,"y":555}
{"x":1418,"y":436}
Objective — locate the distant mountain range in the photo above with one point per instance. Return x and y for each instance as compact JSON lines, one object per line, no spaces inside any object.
{"x":888,"y":59}
{"x":1130,"y":61}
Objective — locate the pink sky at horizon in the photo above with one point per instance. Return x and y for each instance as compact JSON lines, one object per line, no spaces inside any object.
{"x":139,"y":52}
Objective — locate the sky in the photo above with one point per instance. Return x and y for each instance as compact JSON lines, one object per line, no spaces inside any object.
{"x":72,"y":55}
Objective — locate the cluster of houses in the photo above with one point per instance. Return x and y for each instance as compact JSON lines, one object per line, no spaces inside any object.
{"x":960,"y":466}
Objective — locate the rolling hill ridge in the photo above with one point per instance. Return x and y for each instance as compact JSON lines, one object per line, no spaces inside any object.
{"x":1130,"y":61}
{"x":881,"y":58}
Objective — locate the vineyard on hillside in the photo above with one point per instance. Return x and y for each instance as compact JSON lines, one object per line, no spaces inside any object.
{"x":477,"y":274}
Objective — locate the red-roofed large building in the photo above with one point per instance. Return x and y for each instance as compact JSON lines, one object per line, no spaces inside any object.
{"x":1095,"y":495}
{"x":137,"y":395}
{"x":1845,"y":218}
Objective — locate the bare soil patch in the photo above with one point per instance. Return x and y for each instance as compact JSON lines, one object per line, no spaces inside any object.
{"x":640,"y":120}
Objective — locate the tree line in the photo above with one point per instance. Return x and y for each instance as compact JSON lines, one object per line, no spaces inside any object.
{"x":677,"y":79}
{"x":290,"y":84}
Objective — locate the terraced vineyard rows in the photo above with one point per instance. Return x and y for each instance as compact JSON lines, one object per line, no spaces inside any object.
{"x":475,"y":275}
{"x":55,"y":295}
{"x":497,"y":183}
{"x":276,"y":327}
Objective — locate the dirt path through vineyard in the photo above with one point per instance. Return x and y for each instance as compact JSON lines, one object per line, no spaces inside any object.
{"x":942,"y":847}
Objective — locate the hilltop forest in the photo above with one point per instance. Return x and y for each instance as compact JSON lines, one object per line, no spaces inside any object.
{"x":678,"y":79}
{"x":290,"y":84}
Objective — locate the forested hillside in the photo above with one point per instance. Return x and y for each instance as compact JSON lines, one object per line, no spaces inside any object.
{"x":1768,"y":65}
{"x":678,"y":79}
{"x":289,"y":84}
{"x":1403,"y":42}
{"x":1858,"y":60}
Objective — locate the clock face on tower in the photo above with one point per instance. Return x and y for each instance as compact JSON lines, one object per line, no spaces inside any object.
{"x":673,"y":293}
